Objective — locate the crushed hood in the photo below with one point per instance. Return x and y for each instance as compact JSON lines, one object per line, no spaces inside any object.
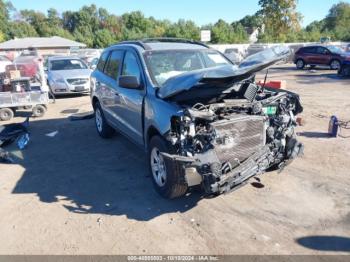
{"x":223,"y":75}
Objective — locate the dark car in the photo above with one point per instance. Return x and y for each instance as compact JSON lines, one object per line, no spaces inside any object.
{"x":331,"y":56}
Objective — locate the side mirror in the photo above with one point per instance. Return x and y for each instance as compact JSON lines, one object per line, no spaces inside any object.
{"x":130,"y":82}
{"x":93,"y":67}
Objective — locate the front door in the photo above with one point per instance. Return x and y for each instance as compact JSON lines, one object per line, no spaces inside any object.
{"x":130,"y":101}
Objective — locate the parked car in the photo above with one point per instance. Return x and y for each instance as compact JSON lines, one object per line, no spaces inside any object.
{"x":4,"y":61}
{"x":88,"y":55}
{"x":201,"y":120}
{"x":234,"y":55}
{"x":331,"y":56}
{"x":27,"y":63}
{"x":67,"y":75}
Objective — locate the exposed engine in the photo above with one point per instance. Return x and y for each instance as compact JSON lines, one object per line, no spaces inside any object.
{"x":229,"y":141}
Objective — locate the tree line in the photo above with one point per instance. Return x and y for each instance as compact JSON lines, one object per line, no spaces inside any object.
{"x":277,"y":21}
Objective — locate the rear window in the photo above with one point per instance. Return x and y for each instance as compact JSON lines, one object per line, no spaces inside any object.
{"x":102,"y":61}
{"x":67,"y":64}
{"x":310,"y":49}
{"x":113,"y":64}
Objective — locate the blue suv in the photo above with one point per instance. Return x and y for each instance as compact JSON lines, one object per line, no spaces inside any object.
{"x":202,"y":120}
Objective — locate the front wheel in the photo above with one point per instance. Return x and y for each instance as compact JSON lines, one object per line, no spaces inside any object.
{"x":335,"y":65}
{"x":168,"y":177}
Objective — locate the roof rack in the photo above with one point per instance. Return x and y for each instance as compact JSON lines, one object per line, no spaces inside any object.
{"x":143,"y":43}
{"x":174,"y":40}
{"x":139,"y":43}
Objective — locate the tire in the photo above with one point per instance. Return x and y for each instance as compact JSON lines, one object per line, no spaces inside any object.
{"x":335,"y":64}
{"x":300,"y":64}
{"x":169,"y":181}
{"x":344,"y":71}
{"x":103,"y":128}
{"x":39,"y":110}
{"x":6,"y":114}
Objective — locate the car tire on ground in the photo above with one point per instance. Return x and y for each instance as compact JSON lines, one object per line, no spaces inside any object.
{"x":102,"y":127}
{"x":335,"y":64}
{"x":168,"y":178}
{"x":300,"y":64}
{"x":39,"y":110}
{"x":344,"y":71}
{"x":6,"y":114}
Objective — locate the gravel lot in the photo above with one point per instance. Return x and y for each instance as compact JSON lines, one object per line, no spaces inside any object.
{"x":78,"y":194}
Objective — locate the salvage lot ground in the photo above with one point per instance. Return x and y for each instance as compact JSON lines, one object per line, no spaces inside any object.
{"x":77,"y":194}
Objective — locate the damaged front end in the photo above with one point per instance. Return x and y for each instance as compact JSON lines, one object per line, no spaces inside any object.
{"x":221,"y":144}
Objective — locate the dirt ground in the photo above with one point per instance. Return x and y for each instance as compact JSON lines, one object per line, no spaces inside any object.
{"x":75,"y":193}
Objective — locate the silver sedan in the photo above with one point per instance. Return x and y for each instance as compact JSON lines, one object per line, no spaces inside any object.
{"x":68,"y":75}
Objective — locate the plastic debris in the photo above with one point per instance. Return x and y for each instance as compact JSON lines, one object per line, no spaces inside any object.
{"x":11,"y":132}
{"x":52,"y":134}
{"x":5,"y":157}
{"x":82,"y":116}
{"x":23,"y":141}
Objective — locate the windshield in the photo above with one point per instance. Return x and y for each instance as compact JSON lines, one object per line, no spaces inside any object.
{"x":335,"y":49}
{"x":67,"y":64}
{"x":168,"y":63}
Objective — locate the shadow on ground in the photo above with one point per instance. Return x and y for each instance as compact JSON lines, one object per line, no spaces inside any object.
{"x":325,"y":243}
{"x":314,"y":134}
{"x":89,"y":175}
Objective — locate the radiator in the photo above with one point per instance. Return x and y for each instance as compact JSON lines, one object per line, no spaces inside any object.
{"x":238,"y":138}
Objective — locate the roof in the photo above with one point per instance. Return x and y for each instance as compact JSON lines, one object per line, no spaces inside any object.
{"x":39,"y":42}
{"x":165,"y":44}
{"x":53,"y":58}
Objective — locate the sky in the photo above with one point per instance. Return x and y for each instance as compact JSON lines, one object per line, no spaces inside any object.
{"x":200,"y":11}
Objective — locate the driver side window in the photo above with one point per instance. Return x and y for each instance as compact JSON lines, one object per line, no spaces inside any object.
{"x":130,"y":66}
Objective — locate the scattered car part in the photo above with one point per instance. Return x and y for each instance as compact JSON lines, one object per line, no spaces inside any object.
{"x":11,"y":132}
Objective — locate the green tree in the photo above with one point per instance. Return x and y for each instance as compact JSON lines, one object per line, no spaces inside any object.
{"x":21,"y":29}
{"x":338,"y":21}
{"x":183,"y":29}
{"x":223,"y":32}
{"x":104,"y":38}
{"x":280,"y":18}
{"x":5,"y":8}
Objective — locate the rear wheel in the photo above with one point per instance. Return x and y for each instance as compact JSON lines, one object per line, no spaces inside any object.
{"x":6,"y":114}
{"x":335,"y":64}
{"x":102,"y":127}
{"x":168,"y":178}
{"x":300,"y":64}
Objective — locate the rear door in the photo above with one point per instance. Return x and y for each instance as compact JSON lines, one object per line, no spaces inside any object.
{"x":311,"y":55}
{"x":130,"y":101}
{"x":324,"y":55}
{"x":107,"y":86}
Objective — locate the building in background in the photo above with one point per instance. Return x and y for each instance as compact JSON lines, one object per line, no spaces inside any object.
{"x":44,"y":45}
